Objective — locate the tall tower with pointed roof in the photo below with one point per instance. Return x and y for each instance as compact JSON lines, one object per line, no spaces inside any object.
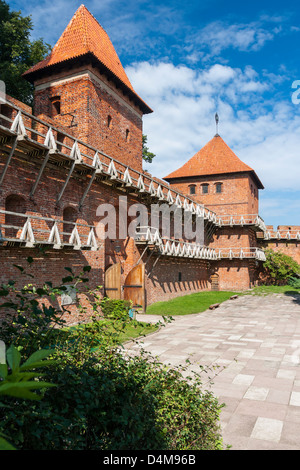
{"x":216,"y":177}
{"x":83,"y":86}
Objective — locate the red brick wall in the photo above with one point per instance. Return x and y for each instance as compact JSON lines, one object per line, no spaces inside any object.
{"x":234,"y":237}
{"x":288,"y":247}
{"x":50,"y":266}
{"x":236,"y":275}
{"x":163,"y":280}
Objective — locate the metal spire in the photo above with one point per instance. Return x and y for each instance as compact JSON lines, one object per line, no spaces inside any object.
{"x":217,"y":123}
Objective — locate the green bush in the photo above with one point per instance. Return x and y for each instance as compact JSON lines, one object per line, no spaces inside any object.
{"x":112,"y":403}
{"x":279,"y":267}
{"x":115,"y":309}
{"x":19,"y":380}
{"x":294,"y":282}
{"x":103,"y":399}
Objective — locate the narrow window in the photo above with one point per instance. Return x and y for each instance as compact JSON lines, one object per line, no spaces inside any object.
{"x":69,"y":219}
{"x":55,"y":101}
{"x":192,"y":189}
{"x":109,"y":121}
{"x":127,"y":135}
{"x":218,"y":187}
{"x":179,"y":277}
{"x":205,"y":188}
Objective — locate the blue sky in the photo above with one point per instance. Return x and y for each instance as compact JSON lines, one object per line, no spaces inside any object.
{"x":188,"y":60}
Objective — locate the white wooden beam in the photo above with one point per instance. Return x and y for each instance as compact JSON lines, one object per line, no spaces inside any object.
{"x":19,"y":127}
{"x":12,"y":151}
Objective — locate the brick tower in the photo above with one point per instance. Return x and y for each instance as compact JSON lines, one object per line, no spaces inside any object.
{"x":216,"y":177}
{"x":82,"y":85}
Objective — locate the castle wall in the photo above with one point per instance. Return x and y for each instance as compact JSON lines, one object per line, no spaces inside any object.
{"x":167,"y":279}
{"x":237,"y":275}
{"x":171,"y":277}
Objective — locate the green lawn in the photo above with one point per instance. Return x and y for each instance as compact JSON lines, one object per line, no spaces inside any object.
{"x":265,"y":290}
{"x":187,"y":304}
{"x":116,"y":332}
{"x":135,"y":329}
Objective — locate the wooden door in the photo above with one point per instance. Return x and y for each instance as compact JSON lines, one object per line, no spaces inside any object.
{"x":134,"y":288}
{"x":112,"y":283}
{"x":215,"y":282}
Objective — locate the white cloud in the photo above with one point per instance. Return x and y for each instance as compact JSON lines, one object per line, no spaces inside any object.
{"x":264,"y":133}
{"x":218,"y":36}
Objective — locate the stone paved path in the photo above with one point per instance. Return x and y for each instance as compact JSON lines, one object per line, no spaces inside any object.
{"x":255,"y":342}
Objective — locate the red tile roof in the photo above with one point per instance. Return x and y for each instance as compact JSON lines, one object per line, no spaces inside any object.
{"x":84,"y":35}
{"x":215,"y":158}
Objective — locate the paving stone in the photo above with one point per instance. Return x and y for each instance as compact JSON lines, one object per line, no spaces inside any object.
{"x":267,"y":429}
{"x":256,"y":393}
{"x":252,"y":350}
{"x":295,"y":399}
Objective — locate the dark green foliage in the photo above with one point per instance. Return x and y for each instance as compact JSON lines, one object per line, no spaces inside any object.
{"x":104,"y":399}
{"x":294,"y":282}
{"x":17,"y":52}
{"x":92,"y":408}
{"x":115,"y":309}
{"x":115,"y":404}
{"x":18,"y":380}
{"x":279,"y":267}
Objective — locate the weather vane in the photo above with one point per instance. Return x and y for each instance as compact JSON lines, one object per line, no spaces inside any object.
{"x":217,"y":123}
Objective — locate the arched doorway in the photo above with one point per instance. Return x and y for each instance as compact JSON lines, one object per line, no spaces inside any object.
{"x":214,"y":281}
{"x":134,"y":287}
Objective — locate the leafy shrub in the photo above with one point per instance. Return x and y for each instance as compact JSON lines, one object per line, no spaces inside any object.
{"x":115,"y":309}
{"x":19,"y":380}
{"x":103,"y":399}
{"x":112,"y":403}
{"x":279,"y":267}
{"x":294,"y":282}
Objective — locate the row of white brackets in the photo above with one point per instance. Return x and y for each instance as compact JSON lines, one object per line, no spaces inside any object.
{"x":240,"y":220}
{"x":18,"y":127}
{"x":27,"y":236}
{"x":280,"y":235}
{"x":187,"y":250}
{"x":255,"y":253}
{"x":148,"y":235}
{"x":175,"y":247}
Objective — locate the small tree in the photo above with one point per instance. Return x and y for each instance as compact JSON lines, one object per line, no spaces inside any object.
{"x":147,"y":156}
{"x":18,"y":52}
{"x":279,"y":267}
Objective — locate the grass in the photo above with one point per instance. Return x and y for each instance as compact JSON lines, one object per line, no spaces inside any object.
{"x":188,"y":304}
{"x":136,"y":329}
{"x":266,"y":290}
{"x":127,"y":331}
